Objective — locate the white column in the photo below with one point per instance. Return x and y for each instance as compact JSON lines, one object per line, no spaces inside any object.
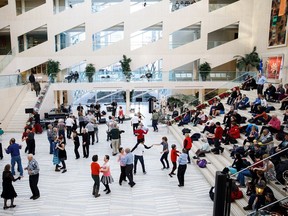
{"x":56,"y":99}
{"x":22,"y":6}
{"x":60,"y":97}
{"x":127,"y":113}
{"x":58,"y":41}
{"x":201,"y":95}
{"x":56,"y":6}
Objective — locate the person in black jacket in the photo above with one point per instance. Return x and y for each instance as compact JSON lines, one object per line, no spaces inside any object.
{"x":32,"y":80}
{"x":76,"y":141}
{"x":232,"y":96}
{"x":85,"y":143}
{"x":269,"y":93}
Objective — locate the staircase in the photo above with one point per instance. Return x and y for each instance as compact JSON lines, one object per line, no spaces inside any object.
{"x":218,"y":162}
{"x":19,"y":119}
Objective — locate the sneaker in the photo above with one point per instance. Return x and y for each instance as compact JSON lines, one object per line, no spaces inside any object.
{"x":170,"y":175}
{"x":64,"y":171}
{"x":248,"y":207}
{"x":195,"y":157}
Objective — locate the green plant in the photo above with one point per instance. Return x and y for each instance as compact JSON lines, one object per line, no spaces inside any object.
{"x":53,"y":67}
{"x":125,"y":65}
{"x":204,"y":70}
{"x":90,"y":71}
{"x":248,"y":61}
{"x":174,"y":100}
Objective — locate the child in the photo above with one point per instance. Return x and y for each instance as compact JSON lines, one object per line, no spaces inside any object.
{"x":106,"y":178}
{"x":95,"y":170}
{"x":174,"y":155}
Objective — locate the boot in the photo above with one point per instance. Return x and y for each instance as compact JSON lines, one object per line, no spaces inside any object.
{"x":97,"y":194}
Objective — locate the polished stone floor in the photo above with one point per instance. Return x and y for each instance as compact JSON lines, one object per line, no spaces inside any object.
{"x":70,"y":193}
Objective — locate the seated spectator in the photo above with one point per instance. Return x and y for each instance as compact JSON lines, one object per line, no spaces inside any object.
{"x":283,"y":145}
{"x":194,"y":116}
{"x":246,"y":129}
{"x":284,"y":103}
{"x":252,"y":136}
{"x":243,"y":103}
{"x":215,"y":138}
{"x":237,"y":101}
{"x":233,"y":134}
{"x":279,"y":94}
{"x":238,"y":164}
{"x":205,"y":148}
{"x":232,"y":96}
{"x":210,"y":128}
{"x":236,"y":117}
{"x":255,"y":103}
{"x":266,"y":140}
{"x":269,"y":93}
{"x":263,"y":101}
{"x":219,"y":109}
{"x":257,"y":176}
{"x":185,"y":120}
{"x":268,"y":169}
{"x":262,"y":117}
{"x":227,"y":116}
{"x":285,"y":119}
{"x":250,"y":83}
{"x":258,"y":200}
{"x":200,"y":119}
{"x":274,"y":125}
{"x":255,"y":151}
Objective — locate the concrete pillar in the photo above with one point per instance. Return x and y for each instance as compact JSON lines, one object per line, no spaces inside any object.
{"x":58,"y":43}
{"x":127,"y":113}
{"x":56,"y":99}
{"x":56,"y":6}
{"x":60,"y":97}
{"x":70,"y":98}
{"x":201,"y":95}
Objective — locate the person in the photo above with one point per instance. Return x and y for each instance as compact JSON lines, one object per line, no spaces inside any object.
{"x":266,"y":140}
{"x":106,"y":178}
{"x":274,"y":125}
{"x":182,"y":160}
{"x":62,"y":153}
{"x":55,"y":158}
{"x":33,"y":171}
{"x":276,"y":159}
{"x":135,"y":122}
{"x":121,"y":116}
{"x":269,"y":93}
{"x":81,"y":120}
{"x":91,"y":130}
{"x":85,"y":143}
{"x":187,"y":144}
{"x":50,"y":137}
{"x":205,"y":148}
{"x":232,"y":97}
{"x":8,"y":191}
{"x":237,"y":165}
{"x":165,"y":152}
{"x":219,"y":109}
{"x":30,"y":142}
{"x":186,"y":119}
{"x":1,"y":152}
{"x":138,"y":155}
{"x":97,"y":111}
{"x":173,"y":156}
{"x":61,"y":128}
{"x":121,"y":158}
{"x":32,"y":80}
{"x":279,"y":94}
{"x":80,"y":109}
{"x":95,"y":171}
{"x":140,"y":133}
{"x":244,"y":103}
{"x":209,"y":125}
{"x":37,"y":88}
{"x":14,"y":150}
{"x":252,"y":136}
{"x":69,"y":125}
{"x":216,"y":139}
{"x":260,"y":83}
{"x":115,"y":138}
{"x":155,"y":118}
{"x":114,"y":108}
{"x":96,"y":130}
{"x":199,"y":119}
{"x":76,"y":141}
{"x":128,"y":161}
{"x":233,"y":134}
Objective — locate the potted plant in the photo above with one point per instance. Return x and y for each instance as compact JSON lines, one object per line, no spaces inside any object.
{"x":204,"y":70}
{"x":90,"y":71}
{"x":125,"y":65}
{"x":53,"y":67}
{"x":248,"y":61}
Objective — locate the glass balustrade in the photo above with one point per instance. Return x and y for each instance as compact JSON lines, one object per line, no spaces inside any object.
{"x":100,"y":5}
{"x":7,"y":81}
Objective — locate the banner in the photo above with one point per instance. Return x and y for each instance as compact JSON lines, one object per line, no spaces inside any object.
{"x":278,"y":24}
{"x":273,"y":67}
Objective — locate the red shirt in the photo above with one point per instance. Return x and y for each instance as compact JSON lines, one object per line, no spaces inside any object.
{"x":174,"y":155}
{"x":218,"y":133}
{"x":140,"y":133}
{"x":187,"y":143}
{"x":234,"y":132}
{"x":95,"y":168}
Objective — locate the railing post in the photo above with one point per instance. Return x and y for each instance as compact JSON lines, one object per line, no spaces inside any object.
{"x":222,"y":195}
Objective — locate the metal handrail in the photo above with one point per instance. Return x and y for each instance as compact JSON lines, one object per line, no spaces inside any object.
{"x":260,"y":161}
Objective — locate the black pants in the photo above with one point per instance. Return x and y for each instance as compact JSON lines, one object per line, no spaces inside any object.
{"x":165,"y":157}
{"x":189,"y":160}
{"x":174,"y":167}
{"x":81,"y":125}
{"x":135,"y":126}
{"x":129,"y":173}
{"x":217,"y":145}
{"x":76,"y":147}
{"x":141,"y":159}
{"x":260,"y":89}
{"x":122,"y":174}
{"x":154,"y":125}
{"x":181,"y":173}
{"x":113,"y":112}
{"x":86,"y":150}
{"x":69,"y":130}
{"x":63,"y":164}
{"x":31,"y":146}
{"x":98,"y":115}
{"x":91,"y":134}
{"x":96,"y":184}
{"x":33,"y":182}
{"x":1,"y":151}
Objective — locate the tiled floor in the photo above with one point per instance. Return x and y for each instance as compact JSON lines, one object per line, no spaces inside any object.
{"x":70,"y":193}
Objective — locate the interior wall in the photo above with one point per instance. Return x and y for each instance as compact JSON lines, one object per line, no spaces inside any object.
{"x":229,"y":66}
{"x":48,"y":103}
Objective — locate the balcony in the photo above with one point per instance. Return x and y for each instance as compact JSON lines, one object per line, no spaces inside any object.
{"x":223,"y":35}
{"x":100,"y":5}
{"x":177,"y":5}
{"x":32,"y":38}
{"x":70,"y":37}
{"x":185,"y":35}
{"x":136,"y":5}
{"x":62,"y":5}
{"x":146,"y":36}
{"x":108,"y":36}
{"x":23,"y":6}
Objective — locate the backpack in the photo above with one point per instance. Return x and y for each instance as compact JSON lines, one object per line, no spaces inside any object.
{"x":1,"y":132}
{"x":186,"y":130}
{"x":202,"y":163}
{"x":195,"y":136}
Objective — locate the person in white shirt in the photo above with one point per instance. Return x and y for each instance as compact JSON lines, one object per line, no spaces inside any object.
{"x":69,"y":124}
{"x":135,"y":122}
{"x":138,"y":155}
{"x":90,"y":128}
{"x":90,"y":116}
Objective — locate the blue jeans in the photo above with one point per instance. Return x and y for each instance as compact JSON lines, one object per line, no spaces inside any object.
{"x":241,"y":176}
{"x":16,"y":159}
{"x":51,"y":145}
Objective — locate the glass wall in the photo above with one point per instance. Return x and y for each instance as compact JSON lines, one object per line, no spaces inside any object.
{"x":62,"y":5}
{"x":137,"y":5}
{"x":23,"y":6}
{"x":216,"y":4}
{"x":108,"y":36}
{"x":177,"y":5}
{"x":100,"y":5}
